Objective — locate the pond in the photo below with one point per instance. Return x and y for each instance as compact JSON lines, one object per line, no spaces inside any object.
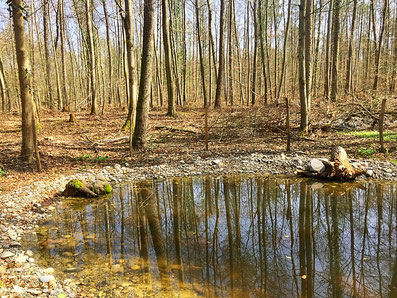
{"x":226,"y":236}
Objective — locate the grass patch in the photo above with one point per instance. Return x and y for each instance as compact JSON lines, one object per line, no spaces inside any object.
{"x":366,"y":151}
{"x":370,"y":134}
{"x":2,"y":173}
{"x":89,"y":158}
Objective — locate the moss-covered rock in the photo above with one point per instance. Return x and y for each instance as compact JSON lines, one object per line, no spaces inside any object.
{"x":94,"y":187}
{"x":76,"y":188}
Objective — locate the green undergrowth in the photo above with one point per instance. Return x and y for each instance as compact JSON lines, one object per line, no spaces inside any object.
{"x":371,"y":134}
{"x":89,"y":158}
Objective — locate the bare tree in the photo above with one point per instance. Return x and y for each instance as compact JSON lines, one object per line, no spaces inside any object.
{"x":91,"y":52}
{"x":168,"y":60}
{"x":220,"y":83}
{"x":139,"y":140}
{"x":24,"y":73}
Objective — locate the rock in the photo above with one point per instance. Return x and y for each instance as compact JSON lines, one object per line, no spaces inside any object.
{"x":76,"y":188}
{"x":46,"y":278}
{"x":29,"y":253}
{"x":21,"y":259}
{"x":48,"y":271}
{"x":216,"y":162}
{"x":317,"y":185}
{"x":369,"y":173}
{"x":2,"y":270}
{"x":315,"y":166}
{"x":7,"y":254}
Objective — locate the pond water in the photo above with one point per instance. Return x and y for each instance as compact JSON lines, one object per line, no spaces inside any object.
{"x":226,"y":236}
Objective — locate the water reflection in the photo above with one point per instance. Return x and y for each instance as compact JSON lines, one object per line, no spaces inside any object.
{"x":227,"y":236}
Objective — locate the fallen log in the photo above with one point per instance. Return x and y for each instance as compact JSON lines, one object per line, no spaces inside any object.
{"x":337,"y":167}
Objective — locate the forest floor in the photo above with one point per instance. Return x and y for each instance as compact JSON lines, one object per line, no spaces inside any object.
{"x":95,"y":141}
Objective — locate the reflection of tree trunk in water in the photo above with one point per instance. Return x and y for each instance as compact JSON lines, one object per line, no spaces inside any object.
{"x":215,"y":235}
{"x":264,"y":239}
{"x":379,"y":226}
{"x":108,"y":244}
{"x":362,"y":277}
{"x":291,"y":229}
{"x":226,"y":190}
{"x":260,"y":233}
{"x":309,"y":242}
{"x":302,"y":242}
{"x":144,"y":246}
{"x":353,"y":259}
{"x":207,"y":260}
{"x":393,"y":284}
{"x":108,"y":238}
{"x":336,"y":274}
{"x":176,"y":186}
{"x":235,"y":190}
{"x":122,"y":224}
{"x":154,"y":224}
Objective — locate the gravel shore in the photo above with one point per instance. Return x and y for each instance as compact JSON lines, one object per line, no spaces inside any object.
{"x":22,"y":209}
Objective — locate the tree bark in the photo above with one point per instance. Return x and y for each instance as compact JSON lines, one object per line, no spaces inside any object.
{"x":24,"y":80}
{"x":47,"y":54}
{"x":350,"y":51}
{"x":131,"y":65}
{"x":335,"y":49}
{"x":110,"y":67}
{"x":139,"y":139}
{"x":168,"y":61}
{"x":304,"y":116}
{"x":91,"y":51}
{"x":220,"y":84}
{"x":200,"y":54}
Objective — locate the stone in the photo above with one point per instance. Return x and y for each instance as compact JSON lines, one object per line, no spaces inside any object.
{"x":29,"y":253}
{"x":369,"y":173}
{"x":48,"y":271}
{"x":2,"y":270}
{"x":216,"y":162}
{"x":316,"y":166}
{"x":46,"y":278}
{"x":21,"y":259}
{"x":7,"y":254}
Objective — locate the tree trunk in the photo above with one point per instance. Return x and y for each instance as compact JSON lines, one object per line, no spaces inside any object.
{"x":91,"y":53}
{"x":62,"y":31}
{"x":304,"y":122}
{"x":24,"y":80}
{"x":110,"y":67}
{"x":131,"y":65}
{"x":327,"y":50}
{"x":262,"y":45}
{"x":168,"y":62}
{"x":335,"y":49}
{"x":253,"y":85}
{"x":2,"y":88}
{"x":47,"y":54}
{"x":200,"y":54}
{"x":378,"y":48}
{"x":350,"y":53}
{"x":220,"y":84}
{"x":308,"y":52}
{"x":280,"y":83}
{"x":139,"y":140}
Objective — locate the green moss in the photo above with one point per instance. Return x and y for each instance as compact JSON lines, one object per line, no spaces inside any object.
{"x":76,"y":183}
{"x":108,"y":188}
{"x":371,"y":134}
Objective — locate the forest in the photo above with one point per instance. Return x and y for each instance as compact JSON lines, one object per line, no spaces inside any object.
{"x":188,"y":123}
{"x":97,"y":56}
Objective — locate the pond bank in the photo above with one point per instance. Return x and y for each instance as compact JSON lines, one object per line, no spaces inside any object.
{"x":23,"y":208}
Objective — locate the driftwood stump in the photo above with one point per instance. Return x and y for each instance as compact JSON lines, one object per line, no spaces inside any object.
{"x":337,"y":168}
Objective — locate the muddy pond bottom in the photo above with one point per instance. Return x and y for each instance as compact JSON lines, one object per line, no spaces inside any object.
{"x":226,"y":236}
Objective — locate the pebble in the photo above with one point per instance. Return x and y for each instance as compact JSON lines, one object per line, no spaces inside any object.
{"x":7,"y":254}
{"x":46,"y":278}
